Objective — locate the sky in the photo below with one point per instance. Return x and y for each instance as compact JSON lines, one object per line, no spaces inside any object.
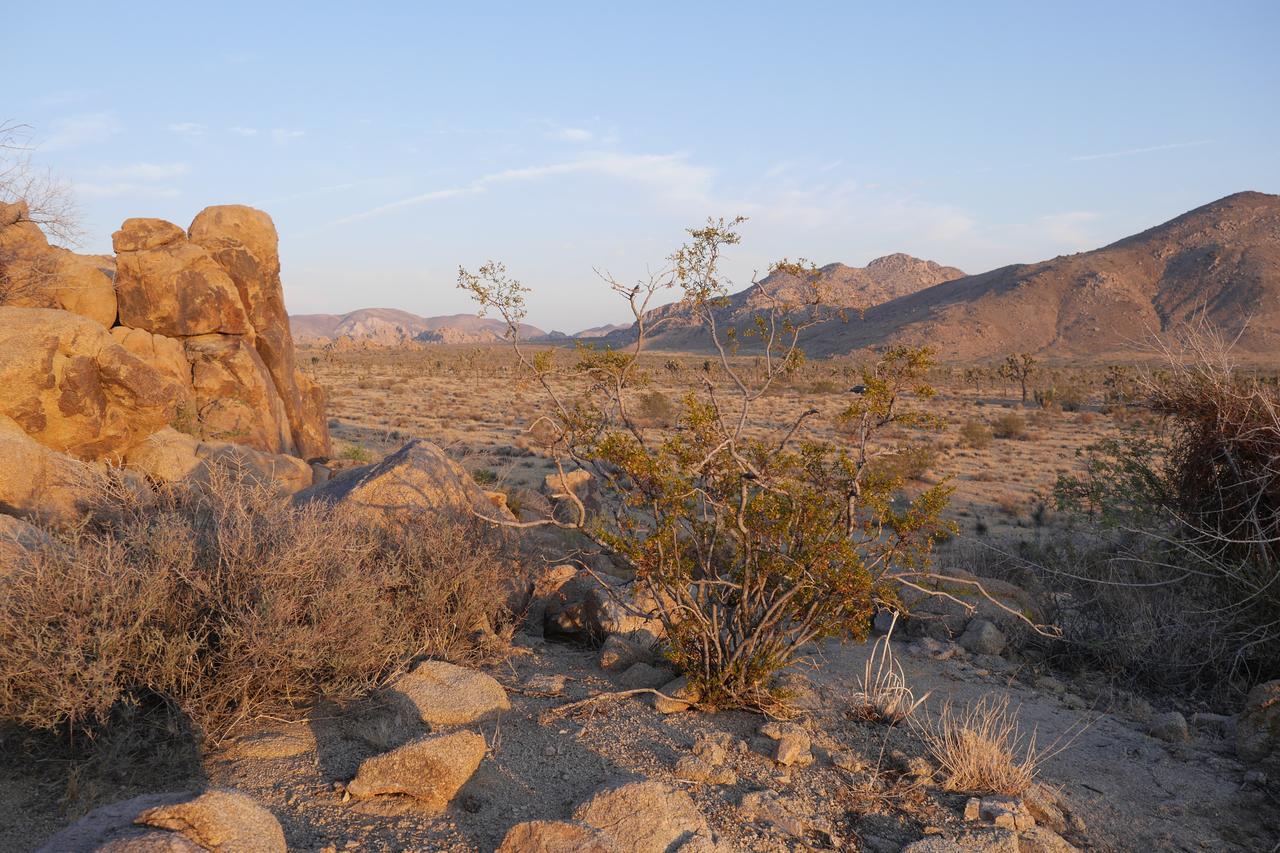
{"x":393,"y":142}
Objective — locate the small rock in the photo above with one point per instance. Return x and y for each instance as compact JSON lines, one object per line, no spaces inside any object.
{"x":1046,"y":807}
{"x":225,"y":821}
{"x":640,"y":675}
{"x":617,"y":654}
{"x":443,"y":694}
{"x":1170,"y":726}
{"x":430,"y":769}
{"x":1039,"y":839}
{"x":1221,"y":725}
{"x":848,"y":761}
{"x":694,"y":769}
{"x":1258,"y":728}
{"x":767,"y":807}
{"x":682,"y":696}
{"x":973,"y":809}
{"x":274,"y":744}
{"x":793,"y":743}
{"x":551,"y":685}
{"x":986,"y":840}
{"x":554,"y":836}
{"x":1050,"y":684}
{"x":643,"y":817}
{"x":982,"y":638}
{"x":1005,"y":812}
{"x":1074,"y":702}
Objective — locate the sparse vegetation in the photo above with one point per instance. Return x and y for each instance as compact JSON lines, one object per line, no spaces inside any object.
{"x":1010,"y":425}
{"x":753,"y":541}
{"x":981,"y":749}
{"x":976,"y":434}
{"x":226,"y":603}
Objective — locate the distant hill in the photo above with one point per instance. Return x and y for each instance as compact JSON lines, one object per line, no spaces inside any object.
{"x":392,"y":327}
{"x":601,"y":331}
{"x":1222,"y":259}
{"x":842,"y":287}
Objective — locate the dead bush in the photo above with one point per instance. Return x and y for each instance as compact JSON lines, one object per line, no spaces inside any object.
{"x":1010,"y":425}
{"x":228,"y":602}
{"x":975,"y":433}
{"x":981,"y":748}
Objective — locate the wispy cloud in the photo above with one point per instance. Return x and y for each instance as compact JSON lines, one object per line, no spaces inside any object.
{"x":188,"y":128}
{"x":81,"y":130}
{"x":244,"y":131}
{"x":283,"y":136}
{"x":124,"y":188}
{"x":142,"y":172}
{"x":573,"y":134}
{"x":1134,"y":151}
{"x":671,"y":177}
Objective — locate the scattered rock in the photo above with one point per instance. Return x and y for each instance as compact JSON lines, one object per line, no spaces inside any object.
{"x":848,"y":761}
{"x":1221,"y":725}
{"x":768,"y":807}
{"x":551,"y":685}
{"x":111,"y":827}
{"x":1004,"y":812}
{"x":554,"y":836}
{"x":982,"y":638}
{"x":992,"y":840}
{"x":1258,"y":727}
{"x":640,"y":675}
{"x":1170,"y":726}
{"x":222,"y":821}
{"x":430,"y":769}
{"x":1039,"y":839}
{"x":443,"y":694}
{"x":643,"y":817}
{"x":792,"y":743}
{"x":677,"y":695}
{"x":617,"y":654}
{"x":416,"y":480}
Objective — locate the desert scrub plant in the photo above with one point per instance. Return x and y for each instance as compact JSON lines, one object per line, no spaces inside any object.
{"x":753,"y":539}
{"x":1193,"y":508}
{"x":356,"y":453}
{"x":975,"y":433}
{"x":227,"y":602}
{"x":1010,"y":425}
{"x":980,"y":748}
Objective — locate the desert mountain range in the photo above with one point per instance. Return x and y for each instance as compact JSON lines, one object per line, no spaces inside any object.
{"x":391,"y":327}
{"x":1221,"y":260}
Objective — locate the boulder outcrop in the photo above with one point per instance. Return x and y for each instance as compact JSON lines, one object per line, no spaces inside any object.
{"x":73,"y":388}
{"x":112,"y":359}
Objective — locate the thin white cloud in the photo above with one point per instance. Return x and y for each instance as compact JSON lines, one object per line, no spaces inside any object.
{"x":1070,"y":228}
{"x":81,"y":130}
{"x":123,"y":188}
{"x":149,"y":172}
{"x":283,"y":136}
{"x":1134,"y":151}
{"x":188,"y":128}
{"x":670,"y":177}
{"x":573,"y":134}
{"x":244,"y":131}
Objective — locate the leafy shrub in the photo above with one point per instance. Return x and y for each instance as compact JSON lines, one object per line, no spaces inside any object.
{"x":975,"y":433}
{"x":1010,"y":425}
{"x":752,"y":539}
{"x":356,"y":453}
{"x":484,"y":476}
{"x":229,"y":602}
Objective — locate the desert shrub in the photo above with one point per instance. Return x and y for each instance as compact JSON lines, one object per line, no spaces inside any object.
{"x":753,"y":539}
{"x":653,"y":408}
{"x":911,"y":460}
{"x":1191,"y":516}
{"x":883,"y":694}
{"x":981,"y":749}
{"x":484,"y":476}
{"x":1046,"y":398}
{"x":976,"y":433}
{"x":1072,"y":397}
{"x":228,"y":602}
{"x":1010,"y":425}
{"x":356,"y":453}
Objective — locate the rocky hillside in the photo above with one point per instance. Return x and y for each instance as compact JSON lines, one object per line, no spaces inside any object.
{"x":171,"y":358}
{"x":841,"y":286}
{"x":392,"y":327}
{"x":1222,"y":259}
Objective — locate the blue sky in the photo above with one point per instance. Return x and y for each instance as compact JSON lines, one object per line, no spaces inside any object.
{"x":392,"y":142}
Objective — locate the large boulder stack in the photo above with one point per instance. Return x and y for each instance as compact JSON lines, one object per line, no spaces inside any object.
{"x":104,"y":360}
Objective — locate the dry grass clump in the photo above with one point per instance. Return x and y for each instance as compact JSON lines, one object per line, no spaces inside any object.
{"x":976,"y":433}
{"x":883,"y":693}
{"x":981,"y":749}
{"x":228,"y":602}
{"x":1010,"y":425}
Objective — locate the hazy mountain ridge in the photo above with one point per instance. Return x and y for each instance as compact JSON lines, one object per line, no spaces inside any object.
{"x":1222,"y":259}
{"x":842,"y":287}
{"x":393,"y":327}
